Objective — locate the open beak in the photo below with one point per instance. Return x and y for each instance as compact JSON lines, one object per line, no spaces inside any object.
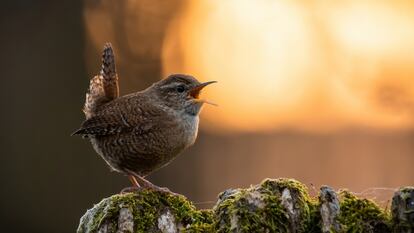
{"x":195,"y":92}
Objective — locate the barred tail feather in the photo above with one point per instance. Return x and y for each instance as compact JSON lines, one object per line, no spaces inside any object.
{"x":108,"y":72}
{"x":103,"y":87}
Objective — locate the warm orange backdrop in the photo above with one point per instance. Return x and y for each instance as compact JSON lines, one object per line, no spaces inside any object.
{"x":317,"y":65}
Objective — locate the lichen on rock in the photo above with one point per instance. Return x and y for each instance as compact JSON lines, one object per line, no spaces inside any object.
{"x":329,"y":209}
{"x":145,"y":211}
{"x":362,"y":215}
{"x":280,"y":205}
{"x":167,"y":223}
{"x":275,"y":205}
{"x":403,"y":210}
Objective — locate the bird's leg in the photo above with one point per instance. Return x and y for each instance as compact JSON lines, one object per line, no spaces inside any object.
{"x":135,"y":185}
{"x":133,"y":181}
{"x":147,"y":184}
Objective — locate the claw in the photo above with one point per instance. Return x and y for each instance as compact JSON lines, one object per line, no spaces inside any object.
{"x":133,"y":189}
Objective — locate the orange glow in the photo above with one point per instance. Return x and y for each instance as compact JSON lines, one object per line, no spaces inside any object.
{"x":375,"y":28}
{"x":316,"y":66}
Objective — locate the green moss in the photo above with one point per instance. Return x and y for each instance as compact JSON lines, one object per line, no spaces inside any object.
{"x":278,"y":185}
{"x":261,"y":208}
{"x":403,"y":209}
{"x":306,"y":205}
{"x":146,"y":207}
{"x":315,"y":221}
{"x":202,"y":222}
{"x":281,"y":205}
{"x":362,"y":215}
{"x":93,"y":217}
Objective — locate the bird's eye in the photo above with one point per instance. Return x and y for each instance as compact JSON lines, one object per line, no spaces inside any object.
{"x":180,"y":89}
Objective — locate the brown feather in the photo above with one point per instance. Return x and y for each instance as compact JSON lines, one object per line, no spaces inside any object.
{"x":103,"y":88}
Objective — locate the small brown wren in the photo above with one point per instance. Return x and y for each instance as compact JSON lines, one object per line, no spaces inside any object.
{"x":139,"y":133}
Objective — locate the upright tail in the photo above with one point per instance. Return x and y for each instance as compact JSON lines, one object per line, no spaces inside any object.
{"x":108,"y":72}
{"x":103,"y":87}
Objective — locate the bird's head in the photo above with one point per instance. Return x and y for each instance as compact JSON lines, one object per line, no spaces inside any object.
{"x":181,"y":92}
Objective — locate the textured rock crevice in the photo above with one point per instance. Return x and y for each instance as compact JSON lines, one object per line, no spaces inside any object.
{"x":329,"y":210}
{"x":275,"y":205}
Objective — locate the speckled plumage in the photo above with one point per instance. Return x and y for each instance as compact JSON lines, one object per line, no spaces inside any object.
{"x":142,"y":131}
{"x":103,"y":87}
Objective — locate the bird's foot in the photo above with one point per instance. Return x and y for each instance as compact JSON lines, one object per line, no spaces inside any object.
{"x":137,"y":189}
{"x":162,"y":190}
{"x":150,"y":186}
{"x":133,"y":189}
{"x":142,"y":183}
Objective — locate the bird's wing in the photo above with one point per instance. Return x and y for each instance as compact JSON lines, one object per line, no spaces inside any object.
{"x":106,"y":124}
{"x":100,"y":126}
{"x":118,"y":117}
{"x":103,"y":88}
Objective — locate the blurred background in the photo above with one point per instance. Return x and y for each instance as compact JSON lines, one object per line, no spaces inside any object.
{"x":319,"y":91}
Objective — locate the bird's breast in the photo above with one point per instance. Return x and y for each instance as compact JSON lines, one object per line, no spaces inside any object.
{"x":189,"y":124}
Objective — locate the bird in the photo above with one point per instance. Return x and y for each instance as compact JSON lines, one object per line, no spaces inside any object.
{"x":139,"y":133}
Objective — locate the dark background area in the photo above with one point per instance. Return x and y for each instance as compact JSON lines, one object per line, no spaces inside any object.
{"x":49,"y":179}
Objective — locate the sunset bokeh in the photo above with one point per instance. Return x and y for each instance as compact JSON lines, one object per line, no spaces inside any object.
{"x":306,"y":89}
{"x":318,"y":91}
{"x":311,"y":65}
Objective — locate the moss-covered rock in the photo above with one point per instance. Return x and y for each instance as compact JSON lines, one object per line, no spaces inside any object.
{"x":145,"y":211}
{"x":362,"y":215}
{"x":403,"y":210}
{"x":329,"y":210}
{"x":278,"y":205}
{"x":281,"y":205}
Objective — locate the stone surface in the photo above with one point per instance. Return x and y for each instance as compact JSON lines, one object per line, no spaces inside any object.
{"x":403,"y":210}
{"x":329,"y":210}
{"x":146,"y":211}
{"x":274,"y":205}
